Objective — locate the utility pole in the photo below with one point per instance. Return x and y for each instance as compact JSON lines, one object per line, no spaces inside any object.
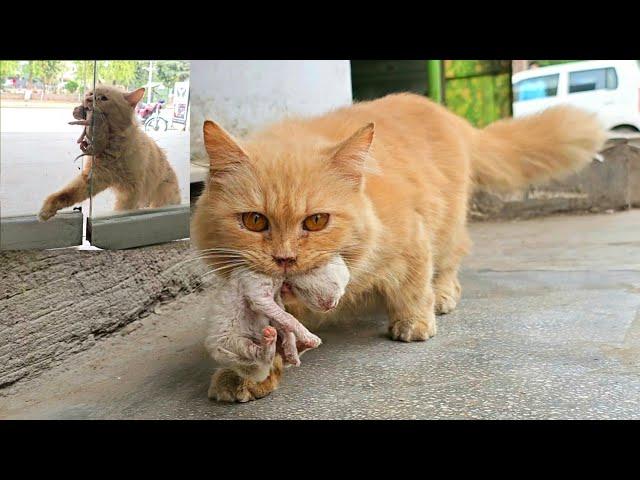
{"x":149,"y":82}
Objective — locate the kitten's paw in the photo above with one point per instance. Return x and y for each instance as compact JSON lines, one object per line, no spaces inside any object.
{"x":312,"y":341}
{"x":268,"y":348}
{"x":269,"y":335}
{"x":412,"y":330}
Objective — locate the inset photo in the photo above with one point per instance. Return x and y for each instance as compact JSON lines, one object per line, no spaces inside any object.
{"x":95,"y":154}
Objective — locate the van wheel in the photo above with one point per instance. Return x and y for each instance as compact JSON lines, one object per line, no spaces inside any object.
{"x":625,"y":129}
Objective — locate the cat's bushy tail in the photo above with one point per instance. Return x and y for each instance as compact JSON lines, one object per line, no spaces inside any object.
{"x":513,"y":153}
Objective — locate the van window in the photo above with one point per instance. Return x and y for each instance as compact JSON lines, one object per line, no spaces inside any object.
{"x":537,"y":87}
{"x":588,"y":80}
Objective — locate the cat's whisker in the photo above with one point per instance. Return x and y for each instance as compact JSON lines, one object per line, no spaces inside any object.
{"x":219,"y":269}
{"x":220,"y":249}
{"x":188,"y":261}
{"x":214,"y":273}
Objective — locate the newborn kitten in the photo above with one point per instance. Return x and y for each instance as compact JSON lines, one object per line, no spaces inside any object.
{"x":242,"y":334}
{"x":95,"y":135}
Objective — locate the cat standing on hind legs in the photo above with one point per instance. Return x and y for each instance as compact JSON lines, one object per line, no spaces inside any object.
{"x":390,"y":181}
{"x":132,"y":165}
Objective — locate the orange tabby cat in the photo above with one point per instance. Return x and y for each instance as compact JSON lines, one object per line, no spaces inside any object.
{"x":391,"y":199}
{"x":133,"y":165}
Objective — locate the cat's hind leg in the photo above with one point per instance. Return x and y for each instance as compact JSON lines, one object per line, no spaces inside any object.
{"x":168,"y":192}
{"x":446,"y":285}
{"x":127,"y":200}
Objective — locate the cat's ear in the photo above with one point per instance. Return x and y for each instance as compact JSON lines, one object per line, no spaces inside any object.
{"x":351,"y":155}
{"x":134,"y":97}
{"x":224,"y":152}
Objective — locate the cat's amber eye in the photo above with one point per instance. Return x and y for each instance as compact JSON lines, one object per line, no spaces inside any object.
{"x":315,"y":222}
{"x":254,"y":221}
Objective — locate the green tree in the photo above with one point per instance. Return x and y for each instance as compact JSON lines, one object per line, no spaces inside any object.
{"x":546,"y":63}
{"x":142,"y":73}
{"x":8,"y":68}
{"x":113,"y":72}
{"x":172,"y":71}
{"x":47,"y":70}
{"x":71,"y":86}
{"x":84,"y":73}
{"x":27,"y":71}
{"x":117,"y":72}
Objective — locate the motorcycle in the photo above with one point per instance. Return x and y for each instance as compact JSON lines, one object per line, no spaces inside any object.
{"x":149,"y":115}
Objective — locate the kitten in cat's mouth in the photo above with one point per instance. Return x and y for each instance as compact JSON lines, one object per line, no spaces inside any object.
{"x":286,"y":291}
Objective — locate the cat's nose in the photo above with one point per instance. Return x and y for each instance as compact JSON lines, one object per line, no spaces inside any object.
{"x":285,"y":262}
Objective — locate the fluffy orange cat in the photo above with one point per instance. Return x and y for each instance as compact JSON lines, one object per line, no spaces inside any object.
{"x":385,"y":184}
{"x":132,"y":165}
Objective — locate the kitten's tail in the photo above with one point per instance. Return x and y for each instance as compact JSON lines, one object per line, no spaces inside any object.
{"x":513,"y":153}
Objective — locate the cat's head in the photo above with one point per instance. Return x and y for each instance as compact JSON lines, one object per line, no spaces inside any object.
{"x":283,"y":204}
{"x":118,"y":105}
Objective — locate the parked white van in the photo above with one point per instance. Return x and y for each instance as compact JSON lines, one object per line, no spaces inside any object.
{"x":609,"y":87}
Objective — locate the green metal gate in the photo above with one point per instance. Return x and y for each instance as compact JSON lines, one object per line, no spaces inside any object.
{"x":479,"y":90}
{"x":372,"y":79}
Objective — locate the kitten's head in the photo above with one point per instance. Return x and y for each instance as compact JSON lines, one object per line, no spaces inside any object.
{"x":283,"y":204}
{"x":118,"y":105}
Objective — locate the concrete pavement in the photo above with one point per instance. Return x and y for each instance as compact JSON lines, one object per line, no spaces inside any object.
{"x":548,"y":327}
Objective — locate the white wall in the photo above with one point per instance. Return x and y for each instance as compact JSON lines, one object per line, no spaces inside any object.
{"x":242,"y":95}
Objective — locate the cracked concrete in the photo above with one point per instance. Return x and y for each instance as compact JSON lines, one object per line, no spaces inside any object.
{"x":548,"y":327}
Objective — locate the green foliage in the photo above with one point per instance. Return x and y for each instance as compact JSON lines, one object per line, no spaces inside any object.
{"x":478,"y":90}
{"x":127,"y":73}
{"x":113,"y":72}
{"x":172,"y":71}
{"x":117,"y":72}
{"x":84,"y":73}
{"x":47,"y":70}
{"x":546,"y":63}
{"x":132,"y":73}
{"x":465,"y":68}
{"x":141,"y":73}
{"x":71,"y":86}
{"x":8,"y":68}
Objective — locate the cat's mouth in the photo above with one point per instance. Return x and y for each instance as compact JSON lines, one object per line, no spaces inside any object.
{"x":286,"y":292}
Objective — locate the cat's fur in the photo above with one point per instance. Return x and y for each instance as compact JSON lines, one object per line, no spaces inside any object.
{"x":136,"y":168}
{"x":396,"y":192}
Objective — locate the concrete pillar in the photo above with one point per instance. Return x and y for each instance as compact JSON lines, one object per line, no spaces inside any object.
{"x":242,"y":95}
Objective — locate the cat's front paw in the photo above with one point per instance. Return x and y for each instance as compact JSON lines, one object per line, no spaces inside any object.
{"x":411,"y":330}
{"x":46,"y":212}
{"x":228,"y":386}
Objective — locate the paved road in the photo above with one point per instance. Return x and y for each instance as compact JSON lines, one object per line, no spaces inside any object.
{"x":38,"y":151}
{"x":549,"y":327}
